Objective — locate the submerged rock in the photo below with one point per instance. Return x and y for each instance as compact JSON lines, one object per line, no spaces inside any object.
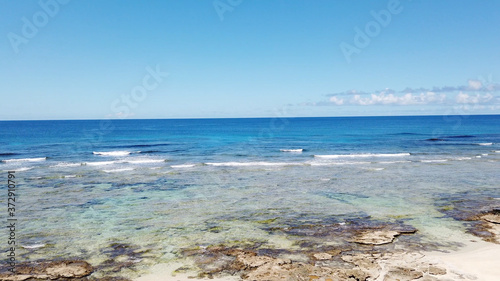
{"x":481,"y":214}
{"x":360,"y":231}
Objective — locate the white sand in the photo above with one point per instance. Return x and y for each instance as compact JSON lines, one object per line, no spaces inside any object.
{"x":476,"y":261}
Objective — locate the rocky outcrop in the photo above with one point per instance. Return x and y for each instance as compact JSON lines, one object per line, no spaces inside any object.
{"x":48,"y":270}
{"x":480,"y":213}
{"x":492,"y":216}
{"x":378,"y":236}
{"x":403,"y":273}
{"x":488,"y":225}
{"x":322,"y":266}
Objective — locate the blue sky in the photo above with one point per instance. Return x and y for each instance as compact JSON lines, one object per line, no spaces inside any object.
{"x":92,"y":59}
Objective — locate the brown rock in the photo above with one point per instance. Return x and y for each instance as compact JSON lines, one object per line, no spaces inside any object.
{"x":12,"y":277}
{"x":365,"y":262}
{"x":68,"y":270}
{"x":436,"y":270}
{"x":491,"y":217}
{"x":274,"y":271}
{"x":254,"y":261}
{"x":334,"y":252}
{"x":402,"y":274}
{"x":322,"y":256}
{"x":49,"y":270}
{"x":375,"y":237}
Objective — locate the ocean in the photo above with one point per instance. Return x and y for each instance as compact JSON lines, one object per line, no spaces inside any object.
{"x":160,"y":186}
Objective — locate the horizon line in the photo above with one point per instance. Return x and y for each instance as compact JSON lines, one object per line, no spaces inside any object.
{"x":263,"y":117}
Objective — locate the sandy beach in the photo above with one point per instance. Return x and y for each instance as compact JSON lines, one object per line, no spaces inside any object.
{"x":478,"y":260}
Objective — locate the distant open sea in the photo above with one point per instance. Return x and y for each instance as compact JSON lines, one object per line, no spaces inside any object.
{"x":165,"y":185}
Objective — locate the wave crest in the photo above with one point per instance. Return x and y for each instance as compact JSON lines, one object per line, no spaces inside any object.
{"x":25,"y":160}
{"x":365,"y":155}
{"x":292,"y":150}
{"x":112,"y":153}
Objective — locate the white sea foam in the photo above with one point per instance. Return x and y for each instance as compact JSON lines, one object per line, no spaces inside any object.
{"x":64,"y":164}
{"x":292,"y":150}
{"x":338,"y":163}
{"x":70,"y":176}
{"x":117,"y":170}
{"x":25,"y":160}
{"x":145,"y":161}
{"x":136,"y":162}
{"x":392,"y":162}
{"x":23,"y":169}
{"x":462,"y":158}
{"x":433,"y":161}
{"x":101,"y":163}
{"x":34,"y":246}
{"x":246,"y":164}
{"x":112,"y":153}
{"x":485,"y":143}
{"x":365,"y":155}
{"x":183,"y":166}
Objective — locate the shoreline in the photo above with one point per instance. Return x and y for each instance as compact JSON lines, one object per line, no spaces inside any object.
{"x":477,"y":260}
{"x":383,"y":253}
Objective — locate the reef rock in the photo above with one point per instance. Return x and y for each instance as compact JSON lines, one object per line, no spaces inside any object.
{"x":488,"y":227}
{"x":322,"y":256}
{"x":402,"y":273}
{"x":492,"y":216}
{"x":48,"y":270}
{"x":375,"y":237}
{"x":436,"y":270}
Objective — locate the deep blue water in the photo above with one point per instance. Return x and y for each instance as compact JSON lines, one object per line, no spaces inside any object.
{"x":260,"y":138}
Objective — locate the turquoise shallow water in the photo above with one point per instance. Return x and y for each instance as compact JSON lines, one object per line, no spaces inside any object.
{"x":164,"y":185}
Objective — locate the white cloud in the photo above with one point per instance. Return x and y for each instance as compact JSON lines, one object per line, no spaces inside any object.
{"x":476,"y":92}
{"x":391,"y":99}
{"x":337,"y":101}
{"x":475,"y":84}
{"x":473,"y":99}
